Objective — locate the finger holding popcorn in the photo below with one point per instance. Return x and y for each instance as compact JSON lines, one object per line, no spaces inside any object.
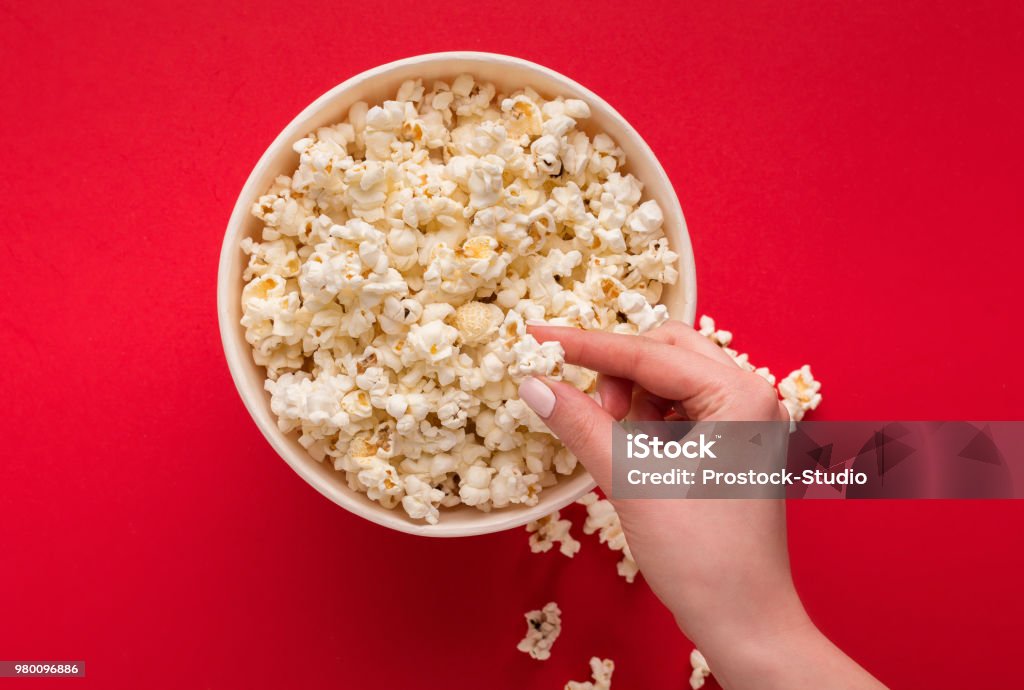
{"x":577,"y":420}
{"x":697,"y":382}
{"x":621,"y":398}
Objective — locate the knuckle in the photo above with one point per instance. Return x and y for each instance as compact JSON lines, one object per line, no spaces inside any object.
{"x":670,"y":331}
{"x":635,"y":356}
{"x":758,"y":395}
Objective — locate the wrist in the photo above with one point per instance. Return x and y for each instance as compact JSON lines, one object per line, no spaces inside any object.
{"x":755,"y":641}
{"x":751,"y":608}
{"x":787,"y":652}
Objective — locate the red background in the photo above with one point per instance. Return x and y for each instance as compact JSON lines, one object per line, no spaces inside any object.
{"x":852,"y":180}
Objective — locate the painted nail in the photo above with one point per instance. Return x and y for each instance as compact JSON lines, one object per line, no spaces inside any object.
{"x":539,"y":397}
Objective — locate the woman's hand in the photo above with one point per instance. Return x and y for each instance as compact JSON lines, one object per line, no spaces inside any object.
{"x":721,"y":566}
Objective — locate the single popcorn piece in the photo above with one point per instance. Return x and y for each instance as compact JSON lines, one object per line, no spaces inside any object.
{"x":551,"y":530}
{"x":421,"y":499}
{"x":433,"y":341}
{"x":602,"y":519}
{"x":536,"y":359}
{"x":640,"y":312}
{"x":700,"y":670}
{"x":477,"y":322}
{"x":800,"y":392}
{"x":601,"y":676}
{"x":542,"y":629}
{"x":388,"y":291}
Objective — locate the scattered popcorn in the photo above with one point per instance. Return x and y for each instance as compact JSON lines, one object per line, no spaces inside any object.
{"x":601,"y":676}
{"x":388,"y":294}
{"x":542,"y":629}
{"x":723,"y":339}
{"x":548,"y":531}
{"x":602,"y":518}
{"x":700,"y":670}
{"x":800,"y":392}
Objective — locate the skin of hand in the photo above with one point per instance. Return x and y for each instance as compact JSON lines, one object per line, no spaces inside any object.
{"x":720,"y":565}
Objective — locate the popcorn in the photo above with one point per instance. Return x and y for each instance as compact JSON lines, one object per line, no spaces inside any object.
{"x":366,"y":185}
{"x":723,"y":339}
{"x":549,"y":530}
{"x":382,"y":482}
{"x":601,"y":676}
{"x":700,"y":670}
{"x":510,"y":485}
{"x":526,"y":116}
{"x":474,"y":489}
{"x":455,"y":407}
{"x":477,"y":322}
{"x":656,"y":262}
{"x":536,"y":359}
{"x":357,"y":405}
{"x":800,"y":392}
{"x":421,"y":499}
{"x":398,"y":314}
{"x":602,"y":518}
{"x":639,"y":312}
{"x":434,"y":341}
{"x":542,"y":629}
{"x":485,"y":182}
{"x":296,"y":397}
{"x":546,"y":151}
{"x":275,"y":322}
{"x":278,"y":257}
{"x":577,"y":109}
{"x":388,"y":292}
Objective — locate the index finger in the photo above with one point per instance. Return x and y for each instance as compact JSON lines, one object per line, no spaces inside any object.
{"x":670,"y":372}
{"x":681,"y":335}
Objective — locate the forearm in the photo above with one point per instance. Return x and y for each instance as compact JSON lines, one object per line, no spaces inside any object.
{"x":787,"y":652}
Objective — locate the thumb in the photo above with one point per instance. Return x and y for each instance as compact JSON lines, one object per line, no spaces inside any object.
{"x":579,"y":422}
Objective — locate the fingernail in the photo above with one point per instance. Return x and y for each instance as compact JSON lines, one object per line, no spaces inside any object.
{"x":539,"y":397}
{"x":597,"y":399}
